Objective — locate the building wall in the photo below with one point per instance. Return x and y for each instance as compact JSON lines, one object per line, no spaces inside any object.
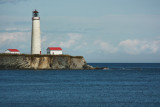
{"x":36,"y":39}
{"x":56,"y":52}
{"x":48,"y":51}
{"x":7,"y":51}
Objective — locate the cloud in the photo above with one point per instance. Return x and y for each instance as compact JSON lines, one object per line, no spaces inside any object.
{"x":18,"y":29}
{"x":73,"y":38}
{"x":67,"y":44}
{"x":44,"y":39}
{"x":14,"y":37}
{"x":67,"y":41}
{"x":139,"y":46}
{"x":53,"y":43}
{"x":129,"y":46}
{"x":82,"y":45}
{"x":106,"y":47}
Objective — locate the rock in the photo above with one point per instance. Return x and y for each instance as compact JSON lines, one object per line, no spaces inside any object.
{"x":23,"y":61}
{"x":88,"y":67}
{"x":105,"y":68}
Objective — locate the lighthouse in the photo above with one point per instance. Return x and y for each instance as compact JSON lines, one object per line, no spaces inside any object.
{"x":36,"y":37}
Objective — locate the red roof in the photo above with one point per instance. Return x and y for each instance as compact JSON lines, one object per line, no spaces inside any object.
{"x":13,"y":50}
{"x":54,"y":48}
{"x":35,"y":11}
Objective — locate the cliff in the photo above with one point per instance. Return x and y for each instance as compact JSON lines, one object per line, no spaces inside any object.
{"x":23,"y":61}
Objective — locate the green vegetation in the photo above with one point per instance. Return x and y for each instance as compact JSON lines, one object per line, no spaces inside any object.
{"x":38,"y":55}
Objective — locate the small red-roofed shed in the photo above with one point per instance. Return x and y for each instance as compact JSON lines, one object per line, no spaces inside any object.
{"x":12,"y":51}
{"x":54,"y":50}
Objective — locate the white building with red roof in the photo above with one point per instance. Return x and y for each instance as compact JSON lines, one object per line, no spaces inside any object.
{"x":12,"y":51}
{"x":54,"y":50}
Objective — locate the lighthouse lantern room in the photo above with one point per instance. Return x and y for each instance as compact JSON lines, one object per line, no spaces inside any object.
{"x":35,"y":13}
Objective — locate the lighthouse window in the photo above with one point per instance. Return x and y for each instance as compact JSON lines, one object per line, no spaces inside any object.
{"x":35,"y":14}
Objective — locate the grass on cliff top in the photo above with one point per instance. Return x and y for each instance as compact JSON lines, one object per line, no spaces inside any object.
{"x":38,"y":55}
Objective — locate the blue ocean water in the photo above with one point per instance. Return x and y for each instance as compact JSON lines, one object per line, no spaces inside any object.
{"x":122,"y":85}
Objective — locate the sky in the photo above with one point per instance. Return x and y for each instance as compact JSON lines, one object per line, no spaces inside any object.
{"x":106,"y":31}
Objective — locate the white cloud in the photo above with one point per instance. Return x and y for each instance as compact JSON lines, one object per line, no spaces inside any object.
{"x":67,"y":44}
{"x":130,"y":43}
{"x":129,"y":46}
{"x":82,"y":45}
{"x":53,"y":43}
{"x":106,"y":47}
{"x":44,"y":39}
{"x":73,"y":38}
{"x":18,"y":29}
{"x":14,"y":37}
{"x":139,"y":46}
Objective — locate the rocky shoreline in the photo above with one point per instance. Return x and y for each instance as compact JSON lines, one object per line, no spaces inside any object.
{"x":41,"y":62}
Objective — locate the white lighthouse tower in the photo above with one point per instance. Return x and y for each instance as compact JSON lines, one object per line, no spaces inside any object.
{"x":36,"y":38}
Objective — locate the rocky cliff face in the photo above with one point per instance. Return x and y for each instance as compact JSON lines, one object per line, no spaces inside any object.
{"x":10,"y":61}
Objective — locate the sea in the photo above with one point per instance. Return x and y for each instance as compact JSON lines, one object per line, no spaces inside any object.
{"x":122,"y":85}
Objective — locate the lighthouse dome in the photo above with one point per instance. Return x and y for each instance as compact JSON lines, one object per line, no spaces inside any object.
{"x":35,"y":13}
